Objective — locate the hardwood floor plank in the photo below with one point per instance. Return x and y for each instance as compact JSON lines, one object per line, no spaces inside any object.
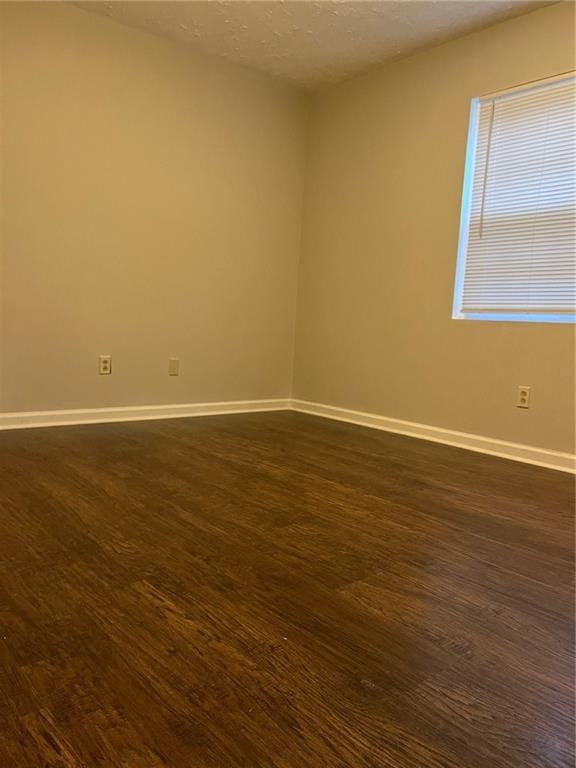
{"x":280,"y":591}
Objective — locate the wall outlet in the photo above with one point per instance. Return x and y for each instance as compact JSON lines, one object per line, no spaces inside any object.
{"x":523,"y":400}
{"x":105,"y":365}
{"x":173,"y":366}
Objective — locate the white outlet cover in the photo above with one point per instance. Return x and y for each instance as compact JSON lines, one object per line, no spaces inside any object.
{"x":105,"y":365}
{"x":523,"y":400}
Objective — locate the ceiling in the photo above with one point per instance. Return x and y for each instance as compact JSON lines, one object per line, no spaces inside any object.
{"x":311,"y":43}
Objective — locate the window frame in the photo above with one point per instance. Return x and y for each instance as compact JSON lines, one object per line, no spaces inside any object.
{"x":465,"y":211}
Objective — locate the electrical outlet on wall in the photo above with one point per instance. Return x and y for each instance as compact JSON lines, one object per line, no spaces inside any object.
{"x":105,"y":365}
{"x":173,"y":366}
{"x":523,"y":399}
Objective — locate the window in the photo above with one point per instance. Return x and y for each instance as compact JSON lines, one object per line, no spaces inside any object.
{"x":517,"y":248}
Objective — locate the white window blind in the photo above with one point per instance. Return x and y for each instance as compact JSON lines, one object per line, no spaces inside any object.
{"x":517,"y":249}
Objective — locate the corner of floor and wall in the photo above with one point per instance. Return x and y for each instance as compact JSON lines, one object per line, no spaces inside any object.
{"x":293,"y":251}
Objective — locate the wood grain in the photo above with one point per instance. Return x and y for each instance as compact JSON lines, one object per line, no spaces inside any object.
{"x":280,"y":591}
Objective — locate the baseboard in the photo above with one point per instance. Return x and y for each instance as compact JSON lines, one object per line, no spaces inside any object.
{"x":565,"y":462}
{"x":28,"y":420}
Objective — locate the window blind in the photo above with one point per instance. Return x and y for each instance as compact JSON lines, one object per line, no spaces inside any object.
{"x":517,"y":250}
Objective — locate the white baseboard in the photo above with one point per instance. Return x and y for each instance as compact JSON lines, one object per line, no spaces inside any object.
{"x":542,"y":457}
{"x":28,"y":420}
{"x":566,"y":462}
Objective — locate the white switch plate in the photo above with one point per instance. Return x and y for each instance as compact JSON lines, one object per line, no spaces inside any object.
{"x":523,"y":400}
{"x":174,"y":366}
{"x":105,"y":365}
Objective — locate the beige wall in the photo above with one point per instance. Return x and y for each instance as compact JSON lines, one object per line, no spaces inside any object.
{"x":152,"y":208}
{"x":380,"y":238}
{"x":1,"y":206}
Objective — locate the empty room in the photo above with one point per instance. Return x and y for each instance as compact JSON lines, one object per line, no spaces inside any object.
{"x":287,"y":383}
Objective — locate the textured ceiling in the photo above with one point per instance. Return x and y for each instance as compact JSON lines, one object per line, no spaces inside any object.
{"x":309,"y":42}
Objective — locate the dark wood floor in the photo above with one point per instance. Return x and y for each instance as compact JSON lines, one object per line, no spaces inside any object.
{"x":280,"y":591}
